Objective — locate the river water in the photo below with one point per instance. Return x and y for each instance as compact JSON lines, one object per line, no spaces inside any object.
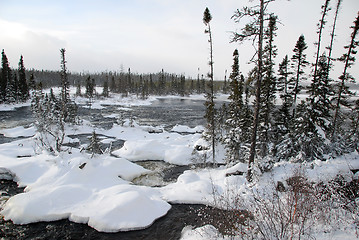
{"x":165,"y":112}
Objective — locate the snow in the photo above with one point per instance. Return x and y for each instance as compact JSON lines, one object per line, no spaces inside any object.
{"x":13,"y":106}
{"x":186,"y":129}
{"x":98,"y":191}
{"x":19,"y":131}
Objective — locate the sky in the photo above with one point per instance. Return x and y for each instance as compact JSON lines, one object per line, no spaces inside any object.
{"x":150,"y":35}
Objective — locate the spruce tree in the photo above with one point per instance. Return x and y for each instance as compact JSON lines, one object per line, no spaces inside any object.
{"x":233,"y":138}
{"x":94,"y":146}
{"x":283,"y":117}
{"x":209,"y":104}
{"x":343,"y":93}
{"x":68,"y":107}
{"x":298,"y":63}
{"x":113,"y":87}
{"x":268,"y":90}
{"x":322,"y":22}
{"x":22,"y":86}
{"x":5,"y":76}
{"x":11,"y":88}
{"x":32,"y":82}
{"x":253,"y":30}
{"x":308,"y":144}
{"x":320,"y":91}
{"x":105,"y":90}
{"x":332,"y":35}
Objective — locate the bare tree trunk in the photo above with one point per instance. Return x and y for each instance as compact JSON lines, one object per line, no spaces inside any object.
{"x":258,"y":92}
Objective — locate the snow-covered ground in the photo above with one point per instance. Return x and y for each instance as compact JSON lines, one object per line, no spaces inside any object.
{"x":98,"y":190}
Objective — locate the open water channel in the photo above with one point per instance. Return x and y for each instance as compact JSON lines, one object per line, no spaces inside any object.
{"x":164,"y":112}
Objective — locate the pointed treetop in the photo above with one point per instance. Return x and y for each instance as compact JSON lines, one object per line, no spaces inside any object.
{"x":235,"y":53}
{"x":207,"y":17}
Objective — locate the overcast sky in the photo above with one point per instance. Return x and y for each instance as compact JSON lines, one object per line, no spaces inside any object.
{"x":148,"y":35}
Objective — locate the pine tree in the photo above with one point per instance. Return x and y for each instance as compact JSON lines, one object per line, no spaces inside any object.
{"x":298,"y":63}
{"x":209,"y":104}
{"x":343,"y":92}
{"x":23,"y":87}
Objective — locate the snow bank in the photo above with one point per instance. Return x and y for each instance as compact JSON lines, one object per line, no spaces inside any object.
{"x":186,"y":129}
{"x":12,"y":107}
{"x":97,"y":193}
{"x":170,"y":147}
{"x":18,"y":132}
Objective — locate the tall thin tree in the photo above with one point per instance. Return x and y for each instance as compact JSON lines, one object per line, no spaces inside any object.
{"x":210,"y":108}
{"x":348,"y":59}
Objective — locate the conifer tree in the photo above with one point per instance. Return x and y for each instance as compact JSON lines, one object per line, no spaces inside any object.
{"x":332,"y":35}
{"x":5,"y":76}
{"x":354,"y":127}
{"x":209,"y":104}
{"x":234,"y":131}
{"x":22,"y":86}
{"x":69,"y":108}
{"x":308,"y":144}
{"x":320,"y":91}
{"x":283,"y":117}
{"x":343,"y":93}
{"x":322,"y":22}
{"x":113,"y":87}
{"x":94,"y":146}
{"x":105,"y":90}
{"x":268,"y":85}
{"x":253,"y":30}
{"x":11,"y":88}
{"x":32,"y":82}
{"x":298,"y":63}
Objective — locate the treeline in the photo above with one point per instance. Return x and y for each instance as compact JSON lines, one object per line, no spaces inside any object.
{"x":321,"y":122}
{"x":16,"y":84}
{"x":144,"y":85}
